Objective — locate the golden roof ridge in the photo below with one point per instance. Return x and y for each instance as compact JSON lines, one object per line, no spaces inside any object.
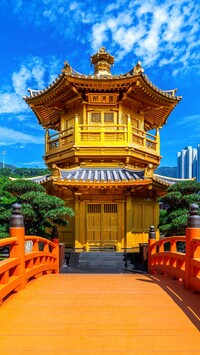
{"x":136,"y":71}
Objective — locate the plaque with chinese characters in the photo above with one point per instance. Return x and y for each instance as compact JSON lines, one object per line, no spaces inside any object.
{"x":102,"y":99}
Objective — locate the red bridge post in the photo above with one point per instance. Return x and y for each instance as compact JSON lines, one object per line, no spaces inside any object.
{"x":151,"y":240}
{"x":55,"y":240}
{"x":17,"y":250}
{"x":192,"y":232}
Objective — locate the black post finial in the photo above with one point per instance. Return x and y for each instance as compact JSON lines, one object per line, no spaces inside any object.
{"x":16,"y":219}
{"x":54,"y":233}
{"x":193,"y":218}
{"x":152,"y":232}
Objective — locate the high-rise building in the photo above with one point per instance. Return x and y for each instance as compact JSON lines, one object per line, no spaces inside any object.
{"x":187,"y":163}
{"x":198,"y":163}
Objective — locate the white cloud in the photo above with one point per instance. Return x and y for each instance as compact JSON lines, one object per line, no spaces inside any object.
{"x":99,"y":33}
{"x":127,"y":38}
{"x":166,"y":61}
{"x":191,"y":120}
{"x":52,"y":69}
{"x":38,"y":74}
{"x":33,"y":125}
{"x":20,"y":79}
{"x":35,"y":73}
{"x":144,"y":8}
{"x":112,"y":7}
{"x":155,"y":30}
{"x":12,"y":103}
{"x":73,"y":6}
{"x":14,"y":117}
{"x":10,"y":137}
{"x":50,"y":15}
{"x":175,"y":32}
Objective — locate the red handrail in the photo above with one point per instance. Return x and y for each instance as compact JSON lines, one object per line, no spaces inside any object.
{"x":20,"y":267}
{"x":38,"y":262}
{"x":182,"y":265}
{"x":10,"y":278}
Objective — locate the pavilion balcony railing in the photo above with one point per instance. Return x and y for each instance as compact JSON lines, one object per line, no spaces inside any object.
{"x":21,"y":265}
{"x":116,"y":135}
{"x":178,"y":256}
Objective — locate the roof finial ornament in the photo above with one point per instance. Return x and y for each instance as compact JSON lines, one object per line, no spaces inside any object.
{"x":67,"y":69}
{"x":138,"y":68}
{"x":102,"y":50}
{"x":102,"y":61}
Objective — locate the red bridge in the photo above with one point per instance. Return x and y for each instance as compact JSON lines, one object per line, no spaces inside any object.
{"x":155,"y":313}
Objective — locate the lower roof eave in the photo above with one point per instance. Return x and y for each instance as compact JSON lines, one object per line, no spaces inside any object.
{"x":102,"y":184}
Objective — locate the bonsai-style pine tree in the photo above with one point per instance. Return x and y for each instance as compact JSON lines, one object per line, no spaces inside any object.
{"x":173,"y":219}
{"x":40,"y":210}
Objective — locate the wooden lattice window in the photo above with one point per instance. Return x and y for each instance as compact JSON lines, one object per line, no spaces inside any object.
{"x":94,"y":208}
{"x":108,"y":117}
{"x":96,"y":117}
{"x":110,"y":208}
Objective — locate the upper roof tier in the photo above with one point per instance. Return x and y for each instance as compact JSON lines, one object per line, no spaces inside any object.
{"x":132,"y":88}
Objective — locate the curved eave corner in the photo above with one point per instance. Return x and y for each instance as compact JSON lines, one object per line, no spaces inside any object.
{"x":168,"y":181}
{"x":34,"y":94}
{"x":38,"y":179}
{"x":167,"y":94}
{"x":67,"y":72}
{"x":169,"y":113}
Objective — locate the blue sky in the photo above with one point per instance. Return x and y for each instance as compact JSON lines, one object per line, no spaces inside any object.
{"x":37,"y":36}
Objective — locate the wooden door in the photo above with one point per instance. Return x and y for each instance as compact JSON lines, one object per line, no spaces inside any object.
{"x":102,"y":223}
{"x":93,"y":226}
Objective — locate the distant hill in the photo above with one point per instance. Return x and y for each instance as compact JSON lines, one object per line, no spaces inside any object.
{"x":28,"y":172}
{"x":7,"y":166}
{"x":8,"y":170}
{"x":167,"y":171}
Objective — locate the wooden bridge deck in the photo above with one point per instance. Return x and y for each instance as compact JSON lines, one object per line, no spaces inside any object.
{"x":101,"y":314}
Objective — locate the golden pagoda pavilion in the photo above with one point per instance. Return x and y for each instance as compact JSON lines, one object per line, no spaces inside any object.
{"x":102,"y":144}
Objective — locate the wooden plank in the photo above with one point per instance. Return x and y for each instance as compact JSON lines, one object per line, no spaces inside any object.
{"x":101,"y":314}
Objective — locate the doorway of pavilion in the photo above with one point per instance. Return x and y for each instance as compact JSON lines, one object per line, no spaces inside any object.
{"x":103,"y":225}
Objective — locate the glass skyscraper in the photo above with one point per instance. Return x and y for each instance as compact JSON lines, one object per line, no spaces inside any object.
{"x":188,"y":163}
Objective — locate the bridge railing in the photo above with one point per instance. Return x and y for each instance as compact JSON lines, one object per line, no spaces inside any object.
{"x":178,"y":256}
{"x":20,"y":266}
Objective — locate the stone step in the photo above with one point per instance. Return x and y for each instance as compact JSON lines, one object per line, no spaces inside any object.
{"x":105,"y":262}
{"x":100,"y":262}
{"x":102,"y":259}
{"x":112,"y":262}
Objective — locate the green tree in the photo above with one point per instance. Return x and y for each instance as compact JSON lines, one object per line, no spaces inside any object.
{"x":5,"y":172}
{"x":6,"y":201}
{"x":179,"y":197}
{"x":20,"y":187}
{"x":9,"y":171}
{"x":30,"y":172}
{"x":39,"y":209}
